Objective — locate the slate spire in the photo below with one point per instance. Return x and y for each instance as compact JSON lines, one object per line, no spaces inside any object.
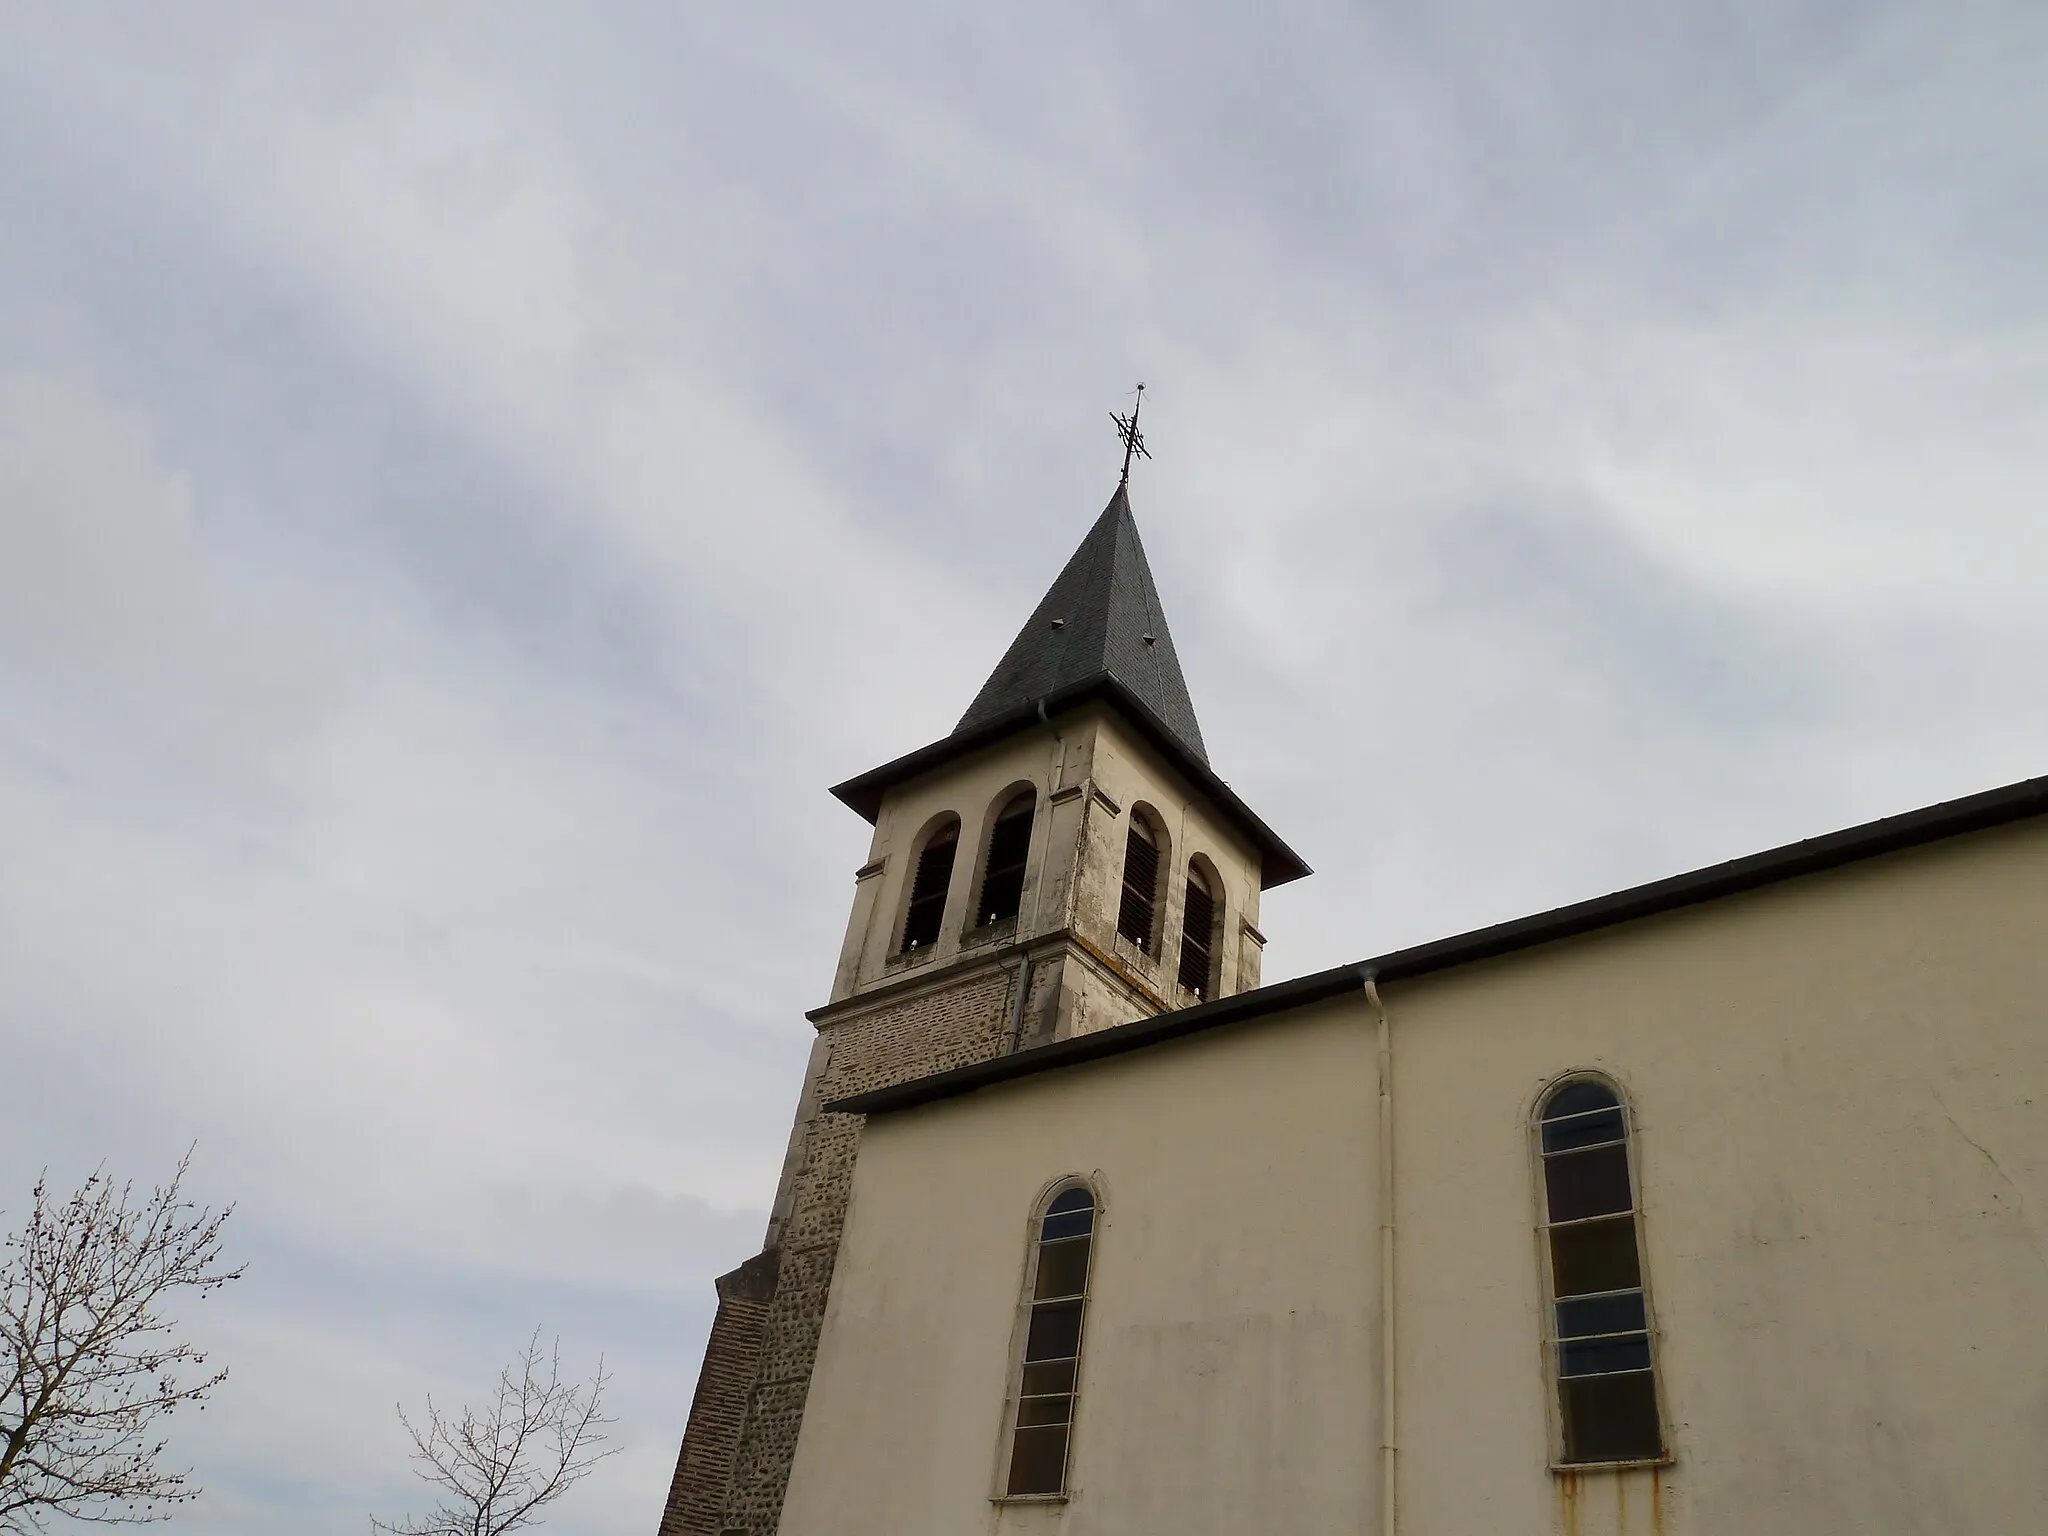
{"x":1100,"y":616}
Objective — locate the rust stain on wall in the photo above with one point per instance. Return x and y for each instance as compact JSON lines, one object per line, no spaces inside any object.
{"x":1568,"y":1503}
{"x":1657,"y":1501}
{"x":1621,"y":1505}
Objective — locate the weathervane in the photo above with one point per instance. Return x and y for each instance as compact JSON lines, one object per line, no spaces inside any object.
{"x":1134,"y":440}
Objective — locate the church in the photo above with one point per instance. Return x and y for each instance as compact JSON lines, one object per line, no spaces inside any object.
{"x":1715,"y":1205}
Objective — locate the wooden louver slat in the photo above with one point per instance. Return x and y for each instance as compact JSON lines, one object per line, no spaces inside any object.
{"x":1135,"y":913}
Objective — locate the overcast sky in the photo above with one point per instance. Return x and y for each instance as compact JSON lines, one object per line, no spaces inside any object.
{"x":471,"y":475}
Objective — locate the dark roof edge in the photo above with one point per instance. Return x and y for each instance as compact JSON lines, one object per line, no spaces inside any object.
{"x":1107,"y":1042}
{"x":1892,"y":834}
{"x":1278,"y":863}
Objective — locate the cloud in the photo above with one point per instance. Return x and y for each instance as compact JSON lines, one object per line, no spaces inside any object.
{"x":469,"y":478}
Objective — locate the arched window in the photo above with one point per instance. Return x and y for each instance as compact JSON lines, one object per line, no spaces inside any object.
{"x":1198,"y":932}
{"x":928,"y":884}
{"x":1009,"y":849}
{"x":1600,"y":1334}
{"x":1042,"y":1411}
{"x":1137,"y":914}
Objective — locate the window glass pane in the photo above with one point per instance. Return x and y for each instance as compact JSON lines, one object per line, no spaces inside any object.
{"x":1038,"y":1460}
{"x":1055,"y":1331}
{"x":1600,"y":1256}
{"x":1584,"y":1130}
{"x":1062,"y":1268}
{"x":1603,"y":1314}
{"x":1584,"y":1184}
{"x":1044,"y":1410}
{"x":1055,"y":1376}
{"x":1577,"y":1098}
{"x":1594,"y":1357}
{"x":1611,"y":1418}
{"x":1066,"y":1224}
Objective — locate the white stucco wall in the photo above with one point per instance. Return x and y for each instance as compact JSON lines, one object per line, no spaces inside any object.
{"x":1841,"y":1087}
{"x":1219,"y":1394}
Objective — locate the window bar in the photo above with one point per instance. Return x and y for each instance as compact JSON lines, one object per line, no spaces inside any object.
{"x":1599,"y":1332}
{"x":1043,"y":1416}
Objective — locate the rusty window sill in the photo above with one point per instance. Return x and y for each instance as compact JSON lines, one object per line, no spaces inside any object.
{"x":1559,"y":1468}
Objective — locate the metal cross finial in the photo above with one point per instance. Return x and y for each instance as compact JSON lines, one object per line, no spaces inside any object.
{"x":1134,"y":440}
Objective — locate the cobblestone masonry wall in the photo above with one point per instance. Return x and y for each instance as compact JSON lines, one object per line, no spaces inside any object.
{"x":958,"y":1022}
{"x":718,"y":1412}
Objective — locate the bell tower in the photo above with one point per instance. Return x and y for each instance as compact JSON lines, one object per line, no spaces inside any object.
{"x":1064,"y":861}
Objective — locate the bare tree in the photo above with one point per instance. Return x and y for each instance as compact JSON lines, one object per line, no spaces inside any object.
{"x":499,"y":1467}
{"x":89,"y":1367}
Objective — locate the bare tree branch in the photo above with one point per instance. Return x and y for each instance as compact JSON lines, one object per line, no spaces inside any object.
{"x":89,"y":1368}
{"x":498,"y":1467}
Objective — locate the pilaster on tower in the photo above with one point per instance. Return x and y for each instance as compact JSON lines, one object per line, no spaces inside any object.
{"x":1064,"y":861}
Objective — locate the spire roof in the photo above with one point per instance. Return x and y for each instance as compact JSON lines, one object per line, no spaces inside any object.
{"x":1101,"y":618}
{"x":1099,"y":634}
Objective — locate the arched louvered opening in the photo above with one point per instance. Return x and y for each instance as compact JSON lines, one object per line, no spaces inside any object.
{"x":1601,"y":1343}
{"x":932,"y":875}
{"x":1048,"y":1379}
{"x":1137,"y":916}
{"x":1009,"y":850}
{"x":1201,"y":912}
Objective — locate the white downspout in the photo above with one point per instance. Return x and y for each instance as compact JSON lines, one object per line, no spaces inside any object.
{"x":1389,"y":1455}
